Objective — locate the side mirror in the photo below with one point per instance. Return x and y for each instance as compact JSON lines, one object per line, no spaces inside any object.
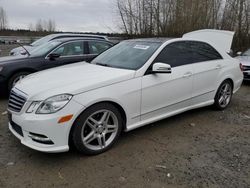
{"x":53,"y":56}
{"x":161,"y":68}
{"x":239,"y":53}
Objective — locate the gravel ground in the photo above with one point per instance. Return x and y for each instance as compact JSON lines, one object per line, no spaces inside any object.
{"x":200,"y":148}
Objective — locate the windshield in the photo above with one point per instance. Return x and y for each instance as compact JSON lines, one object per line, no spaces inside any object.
{"x":42,"y":40}
{"x":44,"y":49}
{"x":127,"y":55}
{"x":246,"y":53}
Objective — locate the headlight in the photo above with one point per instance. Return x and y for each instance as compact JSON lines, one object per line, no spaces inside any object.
{"x":54,"y":104}
{"x":34,"y":105}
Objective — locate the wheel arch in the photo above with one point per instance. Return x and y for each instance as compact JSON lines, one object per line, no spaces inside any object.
{"x":117,"y":105}
{"x":31,"y":70}
{"x":230,"y":80}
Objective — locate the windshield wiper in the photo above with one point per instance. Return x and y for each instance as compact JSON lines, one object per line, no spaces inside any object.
{"x":103,"y":64}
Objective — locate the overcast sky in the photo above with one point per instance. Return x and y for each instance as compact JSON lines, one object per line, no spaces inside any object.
{"x":69,"y":15}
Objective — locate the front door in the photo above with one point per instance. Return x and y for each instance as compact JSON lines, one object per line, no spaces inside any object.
{"x":168,"y":93}
{"x":70,"y":52}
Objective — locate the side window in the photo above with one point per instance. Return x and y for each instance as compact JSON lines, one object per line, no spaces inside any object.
{"x":70,"y":49}
{"x":187,"y":52}
{"x":175,"y":54}
{"x":98,"y":47}
{"x":203,"y":51}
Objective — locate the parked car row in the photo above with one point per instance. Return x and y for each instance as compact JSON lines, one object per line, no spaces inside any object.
{"x":134,"y":83}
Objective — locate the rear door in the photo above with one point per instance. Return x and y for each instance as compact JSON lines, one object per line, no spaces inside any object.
{"x":206,"y":69}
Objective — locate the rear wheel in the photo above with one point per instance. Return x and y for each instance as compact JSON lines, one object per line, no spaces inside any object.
{"x":97,"y":129}
{"x":224,"y":95}
{"x":15,"y":78}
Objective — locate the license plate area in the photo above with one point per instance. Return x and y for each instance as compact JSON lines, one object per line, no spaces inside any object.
{"x":15,"y":127}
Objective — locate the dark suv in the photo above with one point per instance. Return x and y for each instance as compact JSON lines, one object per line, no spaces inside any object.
{"x":52,"y":54}
{"x":48,"y":38}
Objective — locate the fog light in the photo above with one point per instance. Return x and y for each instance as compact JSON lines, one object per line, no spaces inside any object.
{"x":40,"y":138}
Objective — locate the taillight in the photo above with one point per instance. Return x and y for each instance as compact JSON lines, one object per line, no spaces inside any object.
{"x":241,"y":67}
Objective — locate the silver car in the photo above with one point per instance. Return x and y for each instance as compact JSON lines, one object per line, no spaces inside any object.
{"x":245,"y":61}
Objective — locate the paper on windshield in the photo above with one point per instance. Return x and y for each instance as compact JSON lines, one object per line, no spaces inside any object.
{"x":141,"y":47}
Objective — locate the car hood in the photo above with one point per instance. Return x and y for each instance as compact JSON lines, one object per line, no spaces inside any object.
{"x":12,"y":59}
{"x":245,"y":60}
{"x":72,"y":79}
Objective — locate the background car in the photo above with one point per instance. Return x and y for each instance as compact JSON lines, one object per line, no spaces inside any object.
{"x":245,"y":61}
{"x":55,"y":53}
{"x":21,"y":51}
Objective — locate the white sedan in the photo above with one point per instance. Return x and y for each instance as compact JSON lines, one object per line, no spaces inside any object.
{"x":135,"y":83}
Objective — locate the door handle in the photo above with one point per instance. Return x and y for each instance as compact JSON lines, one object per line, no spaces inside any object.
{"x":218,"y":67}
{"x":188,"y":74}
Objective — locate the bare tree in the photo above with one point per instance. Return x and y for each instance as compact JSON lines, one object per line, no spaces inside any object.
{"x":175,"y":17}
{"x":39,"y":25}
{"x":3,"y":19}
{"x":51,"y":25}
{"x":46,"y":25}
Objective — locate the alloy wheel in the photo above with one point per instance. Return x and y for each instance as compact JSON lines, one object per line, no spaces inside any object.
{"x":99,"y":130}
{"x":225,"y":94}
{"x":17,"y":79}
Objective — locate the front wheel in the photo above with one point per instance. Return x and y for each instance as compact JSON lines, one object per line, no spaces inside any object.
{"x":97,"y":129}
{"x":224,"y":95}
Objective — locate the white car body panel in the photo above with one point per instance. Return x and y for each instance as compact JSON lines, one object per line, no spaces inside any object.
{"x":76,"y":74}
{"x":144,"y":98}
{"x":222,"y":40}
{"x":160,"y":91}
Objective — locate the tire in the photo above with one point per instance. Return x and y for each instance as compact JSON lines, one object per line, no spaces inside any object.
{"x":97,"y":129}
{"x":224,"y":95}
{"x":15,"y":78}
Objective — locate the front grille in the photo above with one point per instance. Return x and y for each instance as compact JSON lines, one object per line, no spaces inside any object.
{"x":247,"y":76}
{"x":16,"y":101}
{"x":246,"y":68}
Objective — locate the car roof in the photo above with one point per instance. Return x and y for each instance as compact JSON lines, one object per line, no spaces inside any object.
{"x":56,"y":35}
{"x":68,"y":39}
{"x":159,"y":39}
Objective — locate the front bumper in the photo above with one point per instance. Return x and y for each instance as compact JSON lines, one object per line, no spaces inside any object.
{"x":246,"y":75}
{"x":45,"y":125}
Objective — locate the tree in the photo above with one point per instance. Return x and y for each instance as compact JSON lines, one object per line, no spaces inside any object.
{"x":39,"y":25}
{"x":51,"y":25}
{"x":3,"y":19}
{"x":176,"y":17}
{"x":46,"y":25}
